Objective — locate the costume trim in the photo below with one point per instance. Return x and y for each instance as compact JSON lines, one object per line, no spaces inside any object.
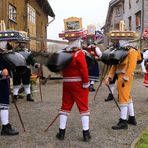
{"x":72,"y":79}
{"x":4,"y":107}
{"x":62,"y":112}
{"x":85,"y":113}
{"x":86,"y":85}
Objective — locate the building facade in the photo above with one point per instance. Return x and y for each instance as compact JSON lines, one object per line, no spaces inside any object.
{"x":31,"y":16}
{"x":133,"y":13}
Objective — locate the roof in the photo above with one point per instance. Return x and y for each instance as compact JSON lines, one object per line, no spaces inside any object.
{"x":44,"y":4}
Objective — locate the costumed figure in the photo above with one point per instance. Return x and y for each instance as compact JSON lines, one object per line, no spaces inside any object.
{"x":94,"y":65}
{"x":75,"y":90}
{"x":4,"y":94}
{"x":144,"y":66}
{"x":23,"y":78}
{"x":125,"y":72}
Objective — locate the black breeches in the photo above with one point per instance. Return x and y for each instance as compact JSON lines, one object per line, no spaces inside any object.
{"x":22,"y":78}
{"x":114,"y":79}
{"x":4,"y":91}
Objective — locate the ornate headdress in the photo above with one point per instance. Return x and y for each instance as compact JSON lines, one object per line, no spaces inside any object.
{"x":122,"y":34}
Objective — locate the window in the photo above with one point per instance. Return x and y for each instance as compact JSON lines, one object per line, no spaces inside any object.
{"x":130,"y":23}
{"x":123,"y":7}
{"x":118,"y":11}
{"x":31,"y":14}
{"x":12,"y":13}
{"x":130,"y":2}
{"x":116,"y":26}
{"x":138,"y":19}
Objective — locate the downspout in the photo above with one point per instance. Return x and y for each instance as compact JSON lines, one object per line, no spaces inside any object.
{"x":142,"y":27}
{"x":48,"y":25}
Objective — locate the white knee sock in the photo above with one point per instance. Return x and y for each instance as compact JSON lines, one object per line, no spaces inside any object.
{"x":112,"y":87}
{"x":27,"y":89}
{"x":63,"y":121}
{"x":92,"y":82}
{"x":131,"y":109}
{"x":4,"y":117}
{"x":16,"y":89}
{"x":85,"y":122}
{"x":123,"y":112}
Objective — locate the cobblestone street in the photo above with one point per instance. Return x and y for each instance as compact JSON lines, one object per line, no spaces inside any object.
{"x":37,"y":116}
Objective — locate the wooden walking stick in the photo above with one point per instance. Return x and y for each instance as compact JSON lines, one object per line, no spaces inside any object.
{"x":16,"y":106}
{"x":52,"y":122}
{"x":40,"y":71}
{"x":113,"y":98}
{"x":104,"y":71}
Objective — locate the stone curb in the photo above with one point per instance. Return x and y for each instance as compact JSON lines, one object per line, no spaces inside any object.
{"x":138,"y":138}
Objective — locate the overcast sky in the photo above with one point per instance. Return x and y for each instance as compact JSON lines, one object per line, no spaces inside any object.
{"x":91,"y":12}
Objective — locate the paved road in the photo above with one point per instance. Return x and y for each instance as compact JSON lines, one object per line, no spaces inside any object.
{"x":37,"y":116}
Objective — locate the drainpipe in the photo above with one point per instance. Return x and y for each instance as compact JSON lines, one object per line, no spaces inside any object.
{"x":142,"y":27}
{"x":48,"y":25}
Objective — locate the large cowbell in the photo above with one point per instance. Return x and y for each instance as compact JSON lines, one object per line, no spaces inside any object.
{"x":59,"y":60}
{"x":25,"y":53}
{"x":114,"y":56}
{"x":16,"y":61}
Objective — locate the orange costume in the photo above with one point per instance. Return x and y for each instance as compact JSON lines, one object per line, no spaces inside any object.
{"x":125,"y":73}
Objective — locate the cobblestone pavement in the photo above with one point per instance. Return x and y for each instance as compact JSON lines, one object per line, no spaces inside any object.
{"x":37,"y":116}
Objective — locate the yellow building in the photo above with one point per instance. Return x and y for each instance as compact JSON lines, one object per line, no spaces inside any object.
{"x":30,"y":16}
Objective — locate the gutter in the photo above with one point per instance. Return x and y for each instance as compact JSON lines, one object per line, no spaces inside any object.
{"x":51,"y":21}
{"x":142,"y":21}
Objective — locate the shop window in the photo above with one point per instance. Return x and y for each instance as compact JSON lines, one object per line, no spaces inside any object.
{"x":12,"y":13}
{"x":130,"y":23}
{"x":138,"y":19}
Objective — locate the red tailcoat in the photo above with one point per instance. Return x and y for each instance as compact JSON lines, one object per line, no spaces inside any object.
{"x":75,"y":84}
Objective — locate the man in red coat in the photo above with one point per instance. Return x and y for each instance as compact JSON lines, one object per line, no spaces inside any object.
{"x":75,"y":90}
